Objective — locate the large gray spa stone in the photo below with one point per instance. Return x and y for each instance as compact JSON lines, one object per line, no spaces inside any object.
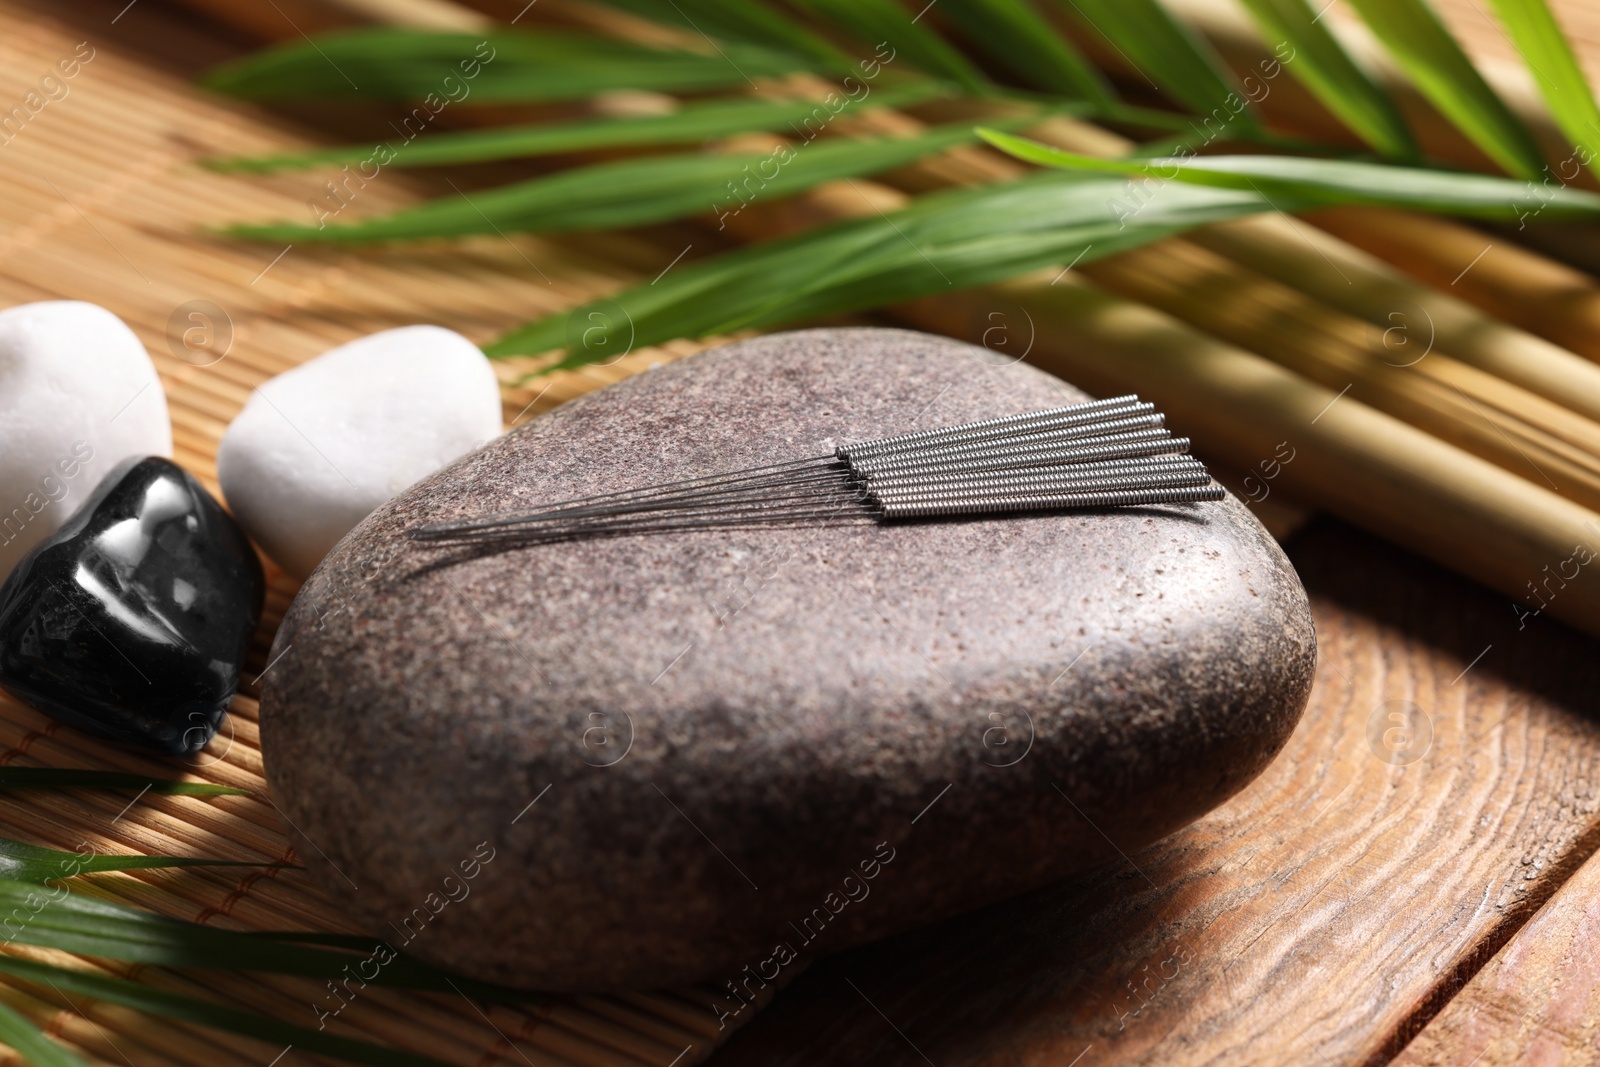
{"x":701,"y":755}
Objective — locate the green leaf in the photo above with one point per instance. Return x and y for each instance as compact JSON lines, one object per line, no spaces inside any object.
{"x":498,"y":66}
{"x":1172,"y":58}
{"x":740,"y":20}
{"x":1015,"y":35}
{"x":70,"y":778}
{"x":632,"y":192}
{"x":57,"y":917}
{"x":30,"y":863}
{"x":1431,"y":57}
{"x":894,"y":34}
{"x":1548,"y":55}
{"x":691,"y":124}
{"x":939,"y":243}
{"x":1320,"y":62}
{"x":35,"y":1048}
{"x":168,"y":1005}
{"x":1328,"y":181}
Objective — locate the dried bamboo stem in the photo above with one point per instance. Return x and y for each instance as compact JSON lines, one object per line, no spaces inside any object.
{"x":1508,"y":426}
{"x":1346,"y":277}
{"x":1537,"y":293}
{"x":426,"y":14}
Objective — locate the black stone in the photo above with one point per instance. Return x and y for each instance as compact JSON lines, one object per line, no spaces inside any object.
{"x":132,"y":620}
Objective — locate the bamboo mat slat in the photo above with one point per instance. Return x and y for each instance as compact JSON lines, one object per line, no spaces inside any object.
{"x":101,"y":199}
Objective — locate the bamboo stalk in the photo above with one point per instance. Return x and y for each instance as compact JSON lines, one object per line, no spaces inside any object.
{"x":1476,"y":411}
{"x":1536,"y":293}
{"x":1271,"y":313}
{"x":1345,"y":276}
{"x":424,"y":14}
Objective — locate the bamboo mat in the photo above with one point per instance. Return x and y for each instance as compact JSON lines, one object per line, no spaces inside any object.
{"x":101,"y":199}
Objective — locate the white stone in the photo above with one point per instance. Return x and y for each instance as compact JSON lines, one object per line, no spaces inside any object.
{"x":320,"y":446}
{"x":78,"y":394}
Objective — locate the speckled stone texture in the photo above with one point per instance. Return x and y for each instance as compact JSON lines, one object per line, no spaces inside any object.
{"x":690,"y":753}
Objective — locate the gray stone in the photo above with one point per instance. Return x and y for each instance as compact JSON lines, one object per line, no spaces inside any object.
{"x":697,"y":755}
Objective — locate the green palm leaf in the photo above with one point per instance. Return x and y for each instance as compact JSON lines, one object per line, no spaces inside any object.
{"x":69,"y":778}
{"x":34,"y":1047}
{"x":1172,"y":57}
{"x":893,"y":33}
{"x":30,"y":863}
{"x":73,"y":922}
{"x":740,"y":20}
{"x":1326,"y":182}
{"x":1548,"y":55}
{"x":1320,"y":62}
{"x":498,"y":66}
{"x":1016,"y":36}
{"x":1431,"y":57}
{"x":690,"y":124}
{"x":632,"y":192}
{"x":206,"y":1013}
{"x":940,"y":243}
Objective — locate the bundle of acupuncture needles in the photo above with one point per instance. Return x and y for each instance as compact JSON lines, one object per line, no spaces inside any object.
{"x":1107,"y":453}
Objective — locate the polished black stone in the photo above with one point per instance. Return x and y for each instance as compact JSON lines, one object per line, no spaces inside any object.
{"x":132,"y":620}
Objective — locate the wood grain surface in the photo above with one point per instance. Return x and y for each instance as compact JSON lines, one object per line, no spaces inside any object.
{"x":1537,"y":1001}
